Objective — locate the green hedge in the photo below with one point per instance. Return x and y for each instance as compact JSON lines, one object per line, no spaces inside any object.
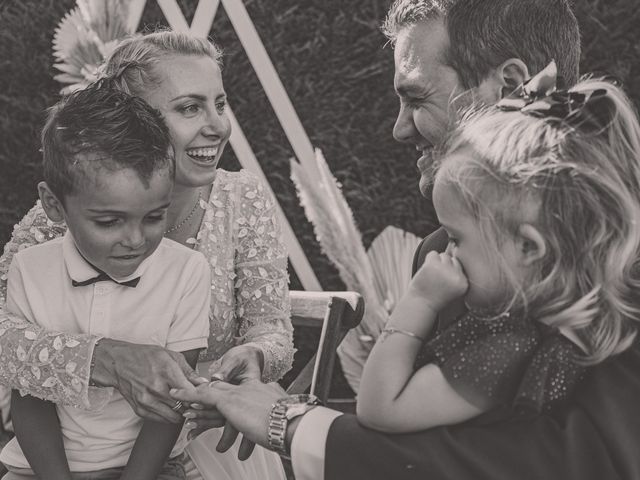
{"x":330,"y":57}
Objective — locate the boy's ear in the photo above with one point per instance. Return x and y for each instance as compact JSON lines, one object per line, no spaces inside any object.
{"x":50,"y":203}
{"x":531,"y":244}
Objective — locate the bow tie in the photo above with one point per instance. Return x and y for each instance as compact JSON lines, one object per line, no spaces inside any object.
{"x":104,"y":277}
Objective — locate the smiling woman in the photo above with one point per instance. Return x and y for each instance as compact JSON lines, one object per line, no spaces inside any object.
{"x":229,"y":217}
{"x":192,"y":100}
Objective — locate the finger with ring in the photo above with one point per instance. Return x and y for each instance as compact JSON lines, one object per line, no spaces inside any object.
{"x":178,"y":406}
{"x":215,"y":378}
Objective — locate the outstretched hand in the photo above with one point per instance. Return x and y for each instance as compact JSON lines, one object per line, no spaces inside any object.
{"x":143,"y":374}
{"x":245,"y":407}
{"x":238,"y":365}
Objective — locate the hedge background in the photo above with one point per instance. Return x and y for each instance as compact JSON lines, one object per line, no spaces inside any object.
{"x":330,"y":57}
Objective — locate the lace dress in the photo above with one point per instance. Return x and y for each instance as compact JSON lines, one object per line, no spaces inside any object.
{"x":239,"y":235}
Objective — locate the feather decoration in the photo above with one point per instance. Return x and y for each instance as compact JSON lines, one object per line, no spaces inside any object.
{"x":391,"y":256}
{"x":380,"y":275}
{"x":326,"y":208}
{"x":85,"y":37}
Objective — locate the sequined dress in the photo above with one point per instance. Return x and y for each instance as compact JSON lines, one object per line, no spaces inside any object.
{"x":509,"y":359}
{"x":241,"y":238}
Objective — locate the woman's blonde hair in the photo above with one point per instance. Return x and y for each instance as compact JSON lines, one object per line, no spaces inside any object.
{"x":578,"y":182}
{"x":131,"y":66}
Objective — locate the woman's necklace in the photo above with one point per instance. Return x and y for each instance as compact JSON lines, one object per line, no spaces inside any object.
{"x":180,"y":224}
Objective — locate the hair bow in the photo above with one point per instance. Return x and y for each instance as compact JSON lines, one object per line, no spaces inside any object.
{"x":540,"y":97}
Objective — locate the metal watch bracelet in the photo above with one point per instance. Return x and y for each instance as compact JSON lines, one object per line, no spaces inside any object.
{"x":283,"y":410}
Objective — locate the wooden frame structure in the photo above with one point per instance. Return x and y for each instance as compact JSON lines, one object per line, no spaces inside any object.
{"x":335,"y":313}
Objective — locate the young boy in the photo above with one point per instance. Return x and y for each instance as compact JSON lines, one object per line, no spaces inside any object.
{"x":109,"y":175}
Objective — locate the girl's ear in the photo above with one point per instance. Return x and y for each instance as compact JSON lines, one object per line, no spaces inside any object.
{"x":531,"y":244}
{"x":50,"y":203}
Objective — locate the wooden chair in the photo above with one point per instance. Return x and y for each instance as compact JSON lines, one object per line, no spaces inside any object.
{"x":334,"y":313}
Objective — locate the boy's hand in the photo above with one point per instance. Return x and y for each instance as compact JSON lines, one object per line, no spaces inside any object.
{"x":439,"y":280}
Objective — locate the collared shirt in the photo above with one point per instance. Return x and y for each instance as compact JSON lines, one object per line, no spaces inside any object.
{"x":308,"y":443}
{"x":169,"y":307}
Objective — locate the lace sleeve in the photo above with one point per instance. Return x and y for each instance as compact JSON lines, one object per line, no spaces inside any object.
{"x":261,"y":288}
{"x":54,"y":366}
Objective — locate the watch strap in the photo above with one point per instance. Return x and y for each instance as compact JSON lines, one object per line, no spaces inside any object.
{"x":279,"y":419}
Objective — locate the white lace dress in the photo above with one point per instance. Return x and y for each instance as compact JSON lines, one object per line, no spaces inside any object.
{"x":240,"y":235}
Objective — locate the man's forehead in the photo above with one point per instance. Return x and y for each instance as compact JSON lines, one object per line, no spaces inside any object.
{"x":418,"y":55}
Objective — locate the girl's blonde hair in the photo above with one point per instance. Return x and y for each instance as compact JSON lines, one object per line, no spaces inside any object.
{"x":131,"y":66}
{"x":578,"y":183}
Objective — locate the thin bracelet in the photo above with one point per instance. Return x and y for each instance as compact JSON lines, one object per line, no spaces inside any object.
{"x":389,"y":330}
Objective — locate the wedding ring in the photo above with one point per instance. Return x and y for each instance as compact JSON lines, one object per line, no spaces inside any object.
{"x":177,"y":406}
{"x":213,"y":381}
{"x":215,"y":378}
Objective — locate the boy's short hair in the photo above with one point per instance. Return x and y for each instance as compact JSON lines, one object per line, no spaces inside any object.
{"x":110,"y":129}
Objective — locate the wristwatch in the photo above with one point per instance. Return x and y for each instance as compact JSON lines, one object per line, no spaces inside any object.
{"x":285,"y":409}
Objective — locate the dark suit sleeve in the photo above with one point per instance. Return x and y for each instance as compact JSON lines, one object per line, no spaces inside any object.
{"x":596,"y":438}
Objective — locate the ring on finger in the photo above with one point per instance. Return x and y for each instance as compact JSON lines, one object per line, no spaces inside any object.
{"x":177,"y":406}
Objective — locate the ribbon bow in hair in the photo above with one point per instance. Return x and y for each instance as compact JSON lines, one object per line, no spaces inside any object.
{"x":540,"y":97}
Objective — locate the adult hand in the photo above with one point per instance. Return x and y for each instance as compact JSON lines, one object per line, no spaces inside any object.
{"x":245,"y":407}
{"x":201,"y":418}
{"x":143,"y":374}
{"x":238,"y":365}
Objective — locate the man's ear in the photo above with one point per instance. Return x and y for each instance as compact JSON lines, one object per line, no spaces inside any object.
{"x":50,"y":203}
{"x":511,"y":73}
{"x":502,"y":80}
{"x":531,"y":244}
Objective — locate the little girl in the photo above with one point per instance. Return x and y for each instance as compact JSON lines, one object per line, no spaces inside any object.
{"x":540,"y":197}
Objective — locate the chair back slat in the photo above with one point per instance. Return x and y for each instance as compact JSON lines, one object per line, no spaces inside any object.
{"x":334,"y":313}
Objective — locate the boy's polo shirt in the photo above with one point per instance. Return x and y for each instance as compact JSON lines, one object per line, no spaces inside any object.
{"x":169,"y":307}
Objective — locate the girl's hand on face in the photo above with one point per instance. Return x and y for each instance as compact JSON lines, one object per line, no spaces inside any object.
{"x":439,"y":280}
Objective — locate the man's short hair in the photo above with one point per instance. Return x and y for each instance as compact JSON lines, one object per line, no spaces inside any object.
{"x":105,"y":128}
{"x":485,"y":33}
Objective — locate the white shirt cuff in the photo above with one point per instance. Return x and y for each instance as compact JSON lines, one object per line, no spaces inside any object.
{"x":309,"y":441}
